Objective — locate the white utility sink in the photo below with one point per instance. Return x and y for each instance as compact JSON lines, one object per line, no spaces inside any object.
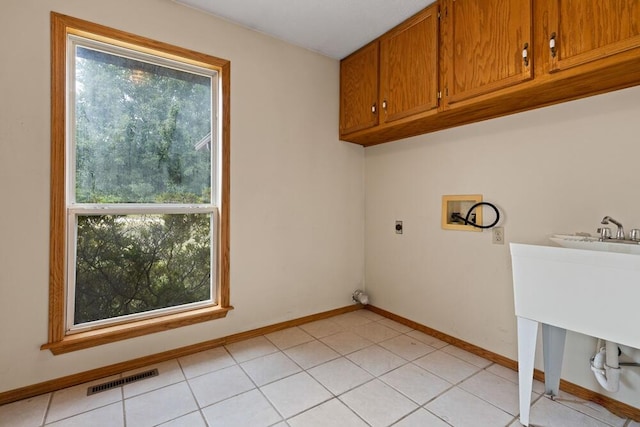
{"x":594,"y":292}
{"x":594,"y":244}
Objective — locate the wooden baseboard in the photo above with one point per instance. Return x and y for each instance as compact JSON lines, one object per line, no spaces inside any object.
{"x":618,"y":408}
{"x":94,"y":374}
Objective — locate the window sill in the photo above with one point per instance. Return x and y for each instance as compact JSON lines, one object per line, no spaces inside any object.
{"x":115,"y":333}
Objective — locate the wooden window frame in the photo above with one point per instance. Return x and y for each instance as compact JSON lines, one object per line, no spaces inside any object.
{"x":58,"y":340}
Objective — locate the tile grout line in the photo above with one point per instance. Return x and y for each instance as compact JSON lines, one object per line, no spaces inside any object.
{"x":46,"y":411}
{"x":193,"y":395}
{"x":124,"y":407}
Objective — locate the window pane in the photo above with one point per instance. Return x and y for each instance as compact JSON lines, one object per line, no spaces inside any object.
{"x":129,"y":264}
{"x":143,"y":131}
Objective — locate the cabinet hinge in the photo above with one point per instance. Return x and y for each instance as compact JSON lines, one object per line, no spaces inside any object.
{"x":439,"y":94}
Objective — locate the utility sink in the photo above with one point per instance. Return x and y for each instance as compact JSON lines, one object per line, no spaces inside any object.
{"x":594,"y":292}
{"x":595,"y":244}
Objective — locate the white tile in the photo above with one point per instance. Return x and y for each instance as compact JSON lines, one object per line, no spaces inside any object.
{"x":504,"y":372}
{"x":376,"y":360}
{"x":407,"y":347}
{"x":416,"y":383}
{"x":160,"y":405}
{"x":427,"y":339}
{"x":107,"y":416}
{"x":375,"y":331}
{"x":168,"y":373}
{"x":395,"y":325}
{"x":511,"y":375}
{"x":331,"y":413}
{"x":247,"y":409}
{"x":421,"y":418}
{"x":495,"y":390}
{"x":350,"y":320}
{"x":546,"y":412}
{"x":589,"y":408}
{"x":205,"y":362}
{"x":634,"y":424}
{"x":289,"y":337}
{"x":269,"y":368}
{"x":251,"y":348}
{"x":74,"y":400}
{"x":346,"y":342}
{"x":219,"y":385}
{"x":369,"y":315}
{"x":194,"y":419}
{"x":340,"y":375}
{"x":377,"y":403}
{"x":468,"y":357}
{"x":447,"y":366}
{"x":322,"y":328}
{"x":295,"y":394}
{"x":25,"y":413}
{"x":462,"y":409}
{"x":311,"y":354}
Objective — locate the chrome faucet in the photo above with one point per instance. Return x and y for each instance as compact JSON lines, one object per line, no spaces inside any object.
{"x":620,"y":232}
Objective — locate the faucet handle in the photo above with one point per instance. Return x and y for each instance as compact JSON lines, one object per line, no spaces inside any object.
{"x":605,"y":233}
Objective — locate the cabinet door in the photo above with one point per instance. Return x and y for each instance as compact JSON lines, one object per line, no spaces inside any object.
{"x":409,"y":67}
{"x":359,"y":90}
{"x":585,"y":31}
{"x":485,"y":44}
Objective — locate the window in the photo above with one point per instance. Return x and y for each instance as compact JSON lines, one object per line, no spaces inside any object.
{"x":139,"y":186}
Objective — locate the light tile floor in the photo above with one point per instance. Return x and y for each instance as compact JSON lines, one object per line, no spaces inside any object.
{"x":355,"y":369}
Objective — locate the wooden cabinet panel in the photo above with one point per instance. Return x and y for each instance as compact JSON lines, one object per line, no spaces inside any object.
{"x":359,"y":90}
{"x":481,"y":68}
{"x":483,"y":44}
{"x":409,"y":67}
{"x":585,"y":31}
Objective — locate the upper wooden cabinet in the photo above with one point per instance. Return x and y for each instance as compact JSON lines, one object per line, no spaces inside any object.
{"x":580,"y":32}
{"x":359,"y":90}
{"x":492,"y":57}
{"x":402,"y":64}
{"x":487,"y":45}
{"x":409,"y":67}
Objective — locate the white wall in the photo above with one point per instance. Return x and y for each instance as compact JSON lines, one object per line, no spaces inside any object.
{"x":297,"y":196}
{"x":552,"y":170}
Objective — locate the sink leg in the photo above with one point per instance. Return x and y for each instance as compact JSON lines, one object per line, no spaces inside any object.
{"x":553,"y":349}
{"x":527,"y":336}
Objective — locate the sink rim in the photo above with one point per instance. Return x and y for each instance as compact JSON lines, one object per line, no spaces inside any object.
{"x":591,"y":243}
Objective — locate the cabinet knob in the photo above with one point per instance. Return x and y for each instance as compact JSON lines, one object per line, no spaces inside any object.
{"x":374,"y":108}
{"x":384,"y":104}
{"x":525,"y":54}
{"x":552,"y":44}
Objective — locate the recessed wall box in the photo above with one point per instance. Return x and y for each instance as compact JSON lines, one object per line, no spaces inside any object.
{"x":455,"y":209}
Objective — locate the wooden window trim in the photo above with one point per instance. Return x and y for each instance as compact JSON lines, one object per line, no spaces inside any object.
{"x":58,"y":341}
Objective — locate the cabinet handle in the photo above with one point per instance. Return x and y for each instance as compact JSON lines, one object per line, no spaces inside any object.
{"x":552,"y":44}
{"x":374,"y":108}
{"x":525,"y":54}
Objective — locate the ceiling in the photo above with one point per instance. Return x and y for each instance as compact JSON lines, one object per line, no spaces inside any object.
{"x":334,"y":28}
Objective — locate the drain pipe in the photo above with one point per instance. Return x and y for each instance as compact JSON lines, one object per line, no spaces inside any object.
{"x":606,"y":368}
{"x":360,"y":297}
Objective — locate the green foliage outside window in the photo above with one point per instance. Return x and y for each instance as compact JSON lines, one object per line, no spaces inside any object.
{"x":141,"y":134}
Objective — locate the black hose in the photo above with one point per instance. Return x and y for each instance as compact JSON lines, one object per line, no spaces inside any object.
{"x":468,"y":222}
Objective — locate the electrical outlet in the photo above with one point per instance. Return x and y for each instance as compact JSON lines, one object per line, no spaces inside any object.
{"x":498,"y":235}
{"x":398,"y":227}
